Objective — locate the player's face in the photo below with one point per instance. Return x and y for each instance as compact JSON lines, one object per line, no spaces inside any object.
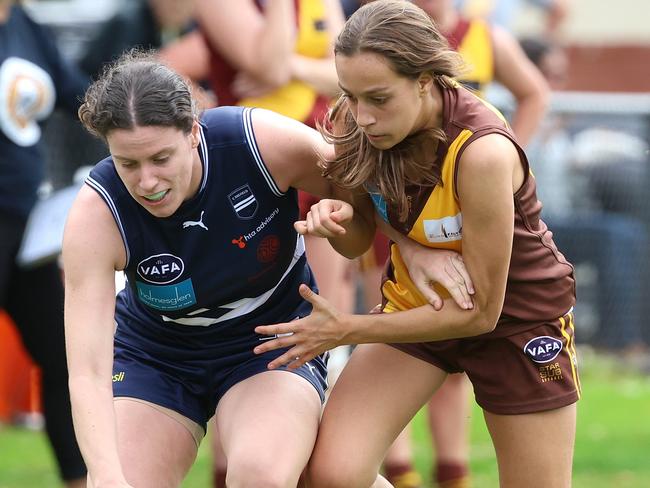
{"x":159,"y":166}
{"x":386,"y":106}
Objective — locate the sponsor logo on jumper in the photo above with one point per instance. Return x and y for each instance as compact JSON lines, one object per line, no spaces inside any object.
{"x":170,"y":297}
{"x":251,"y":235}
{"x":550,"y":372}
{"x":243,"y":202}
{"x":543,"y":349}
{"x":118,"y":377}
{"x":239,"y":242}
{"x":268,"y":249}
{"x":446,"y":229}
{"x":161,"y":269}
{"x":192,"y":223}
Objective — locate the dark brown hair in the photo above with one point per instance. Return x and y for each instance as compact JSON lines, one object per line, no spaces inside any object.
{"x":406,"y":37}
{"x":137,"y":90}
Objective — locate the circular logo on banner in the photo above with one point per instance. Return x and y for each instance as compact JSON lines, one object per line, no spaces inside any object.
{"x":26,"y":95}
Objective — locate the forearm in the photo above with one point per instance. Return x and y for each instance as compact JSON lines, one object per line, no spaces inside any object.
{"x":276,"y":42}
{"x":94,"y":420}
{"x":528,"y":115}
{"x":358,"y":237}
{"x":421,"y":324}
{"x":320,"y":74}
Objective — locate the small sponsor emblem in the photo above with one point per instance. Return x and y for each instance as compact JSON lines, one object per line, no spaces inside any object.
{"x":446,"y":229}
{"x":543,"y":349}
{"x":550,"y":372}
{"x":193,"y":223}
{"x":161,"y":269}
{"x":240,"y":242}
{"x":169,"y":297}
{"x":243,"y":202}
{"x":118,"y":377}
{"x":268,"y":249}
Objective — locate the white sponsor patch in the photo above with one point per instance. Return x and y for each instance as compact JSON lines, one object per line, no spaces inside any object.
{"x":445,"y":229}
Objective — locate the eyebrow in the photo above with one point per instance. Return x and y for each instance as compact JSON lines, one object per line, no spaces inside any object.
{"x":372,"y":91}
{"x":153,"y":156}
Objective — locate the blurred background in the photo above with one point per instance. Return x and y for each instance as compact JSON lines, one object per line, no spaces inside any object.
{"x":590,"y":155}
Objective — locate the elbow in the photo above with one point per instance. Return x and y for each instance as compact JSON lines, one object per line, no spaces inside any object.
{"x":484,"y":325}
{"x":273,"y":74}
{"x":542,"y":95}
{"x":485,"y":320}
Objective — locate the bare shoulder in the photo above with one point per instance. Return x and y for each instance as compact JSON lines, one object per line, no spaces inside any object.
{"x":491,"y":161}
{"x":490,"y":152}
{"x":291,"y":150}
{"x":91,"y":235}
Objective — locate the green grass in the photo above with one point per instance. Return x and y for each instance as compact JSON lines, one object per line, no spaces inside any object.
{"x":612,"y":443}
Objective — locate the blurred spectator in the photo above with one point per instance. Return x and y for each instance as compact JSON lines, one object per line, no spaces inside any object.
{"x":33,"y":80}
{"x":491,"y":53}
{"x":504,"y":12}
{"x":592,"y":184}
{"x":148,"y":24}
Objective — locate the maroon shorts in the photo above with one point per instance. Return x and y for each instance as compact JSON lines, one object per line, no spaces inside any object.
{"x":529,"y":371}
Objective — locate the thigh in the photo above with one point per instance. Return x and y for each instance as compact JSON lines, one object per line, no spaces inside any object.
{"x":534,"y":450}
{"x":378,"y":392}
{"x":155,"y":449}
{"x":267,"y":425}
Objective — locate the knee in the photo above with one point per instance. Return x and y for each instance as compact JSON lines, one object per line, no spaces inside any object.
{"x":254,"y":472}
{"x":341,"y":475}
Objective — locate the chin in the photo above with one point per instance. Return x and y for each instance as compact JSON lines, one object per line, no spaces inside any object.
{"x":382,"y":144}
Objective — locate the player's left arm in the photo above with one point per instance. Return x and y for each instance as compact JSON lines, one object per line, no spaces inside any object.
{"x":522,"y":78}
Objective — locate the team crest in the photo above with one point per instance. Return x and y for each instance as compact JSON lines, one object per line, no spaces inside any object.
{"x":543,"y":349}
{"x":243,"y":202}
{"x":161,"y":268}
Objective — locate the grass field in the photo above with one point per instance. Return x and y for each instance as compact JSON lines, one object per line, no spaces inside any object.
{"x":612,"y":444}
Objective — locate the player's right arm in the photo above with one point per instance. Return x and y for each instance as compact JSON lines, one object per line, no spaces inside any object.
{"x":92,"y":251}
{"x":258,"y":43}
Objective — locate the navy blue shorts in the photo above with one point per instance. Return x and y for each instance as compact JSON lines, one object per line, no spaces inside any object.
{"x":189,"y":371}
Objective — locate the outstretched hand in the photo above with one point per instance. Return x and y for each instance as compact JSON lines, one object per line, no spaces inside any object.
{"x":447,"y":268}
{"x":326,"y":218}
{"x":306,"y":338}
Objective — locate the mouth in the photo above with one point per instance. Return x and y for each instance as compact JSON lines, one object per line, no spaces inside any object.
{"x":155,"y":197}
{"x":373,"y":137}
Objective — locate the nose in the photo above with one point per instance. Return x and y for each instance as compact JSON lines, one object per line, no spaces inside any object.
{"x":364,"y":116}
{"x":148,"y":177}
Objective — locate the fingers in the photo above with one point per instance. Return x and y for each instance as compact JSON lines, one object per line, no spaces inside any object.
{"x":425,"y":287}
{"x":324,"y":219}
{"x":459,"y":265}
{"x":459,"y":294}
{"x":277,"y":336}
{"x":291,"y":359}
{"x":301,"y":227}
{"x":457,"y":287}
